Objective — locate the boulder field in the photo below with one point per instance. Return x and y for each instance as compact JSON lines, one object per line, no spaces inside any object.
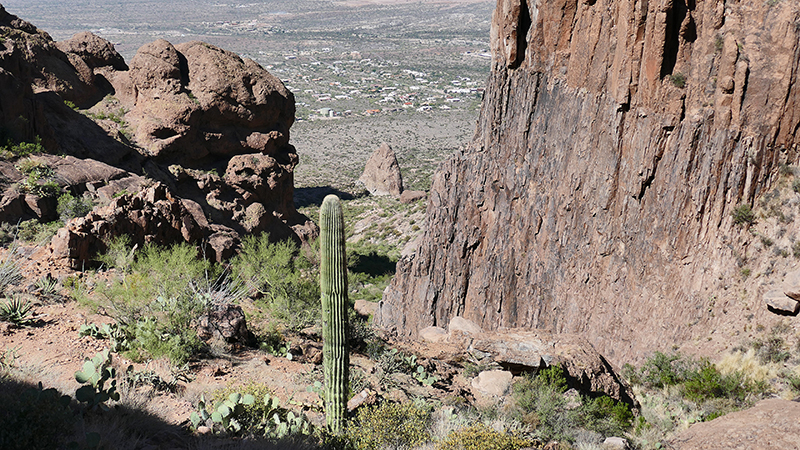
{"x":185,"y":143}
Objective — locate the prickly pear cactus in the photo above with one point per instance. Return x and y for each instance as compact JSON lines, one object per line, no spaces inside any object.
{"x":333,"y":284}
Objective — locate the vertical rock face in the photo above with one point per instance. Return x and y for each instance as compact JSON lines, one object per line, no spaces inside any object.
{"x":615,"y":138}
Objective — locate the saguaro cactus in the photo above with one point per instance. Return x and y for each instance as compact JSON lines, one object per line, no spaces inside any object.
{"x":333,"y":284}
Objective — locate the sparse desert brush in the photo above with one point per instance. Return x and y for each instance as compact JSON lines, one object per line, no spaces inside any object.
{"x":283,"y":278}
{"x":481,"y":437}
{"x":749,"y":365}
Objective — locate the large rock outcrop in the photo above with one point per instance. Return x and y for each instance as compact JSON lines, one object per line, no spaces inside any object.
{"x":614,"y":141}
{"x":179,"y":116}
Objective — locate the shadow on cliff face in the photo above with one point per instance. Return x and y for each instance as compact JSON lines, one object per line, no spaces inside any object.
{"x":35,"y":418}
{"x":312,"y":196}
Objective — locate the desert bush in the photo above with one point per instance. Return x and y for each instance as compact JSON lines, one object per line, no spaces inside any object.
{"x":119,"y":254}
{"x":157,"y":303}
{"x":36,"y":232}
{"x":541,"y":404}
{"x":285,"y":280}
{"x":678,"y":79}
{"x":389,"y":425}
{"x":481,"y":437}
{"x":21,"y":149}
{"x":70,"y":206}
{"x":661,"y":370}
{"x":743,"y":215}
{"x":10,"y":269}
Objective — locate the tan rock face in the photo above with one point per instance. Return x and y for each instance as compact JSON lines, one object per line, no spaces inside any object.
{"x":614,"y":141}
{"x":382,"y":173}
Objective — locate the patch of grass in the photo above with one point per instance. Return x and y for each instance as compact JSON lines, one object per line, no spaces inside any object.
{"x":743,"y":215}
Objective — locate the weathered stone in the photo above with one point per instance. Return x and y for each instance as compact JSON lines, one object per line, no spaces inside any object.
{"x":525,"y":350}
{"x":462,"y":325}
{"x":412,"y":196}
{"x":791,"y":285}
{"x":382,"y":173}
{"x":225,"y":322}
{"x":597,"y":191}
{"x":778,"y":301}
{"x":493,"y":382}
{"x":152,"y":215}
{"x":615,"y":443}
{"x":365,"y":308}
{"x":93,"y":50}
{"x":433,"y":334}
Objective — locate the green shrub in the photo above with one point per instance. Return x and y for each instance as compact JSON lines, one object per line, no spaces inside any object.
{"x":678,"y":79}
{"x":541,"y":404}
{"x":21,"y":149}
{"x":606,"y":416}
{"x":743,"y":214}
{"x":662,"y":370}
{"x":36,"y":232}
{"x":284,"y":279}
{"x":119,"y":254}
{"x":389,"y":425}
{"x":157,"y":304}
{"x":706,"y":382}
{"x":70,"y":207}
{"x":481,"y":437}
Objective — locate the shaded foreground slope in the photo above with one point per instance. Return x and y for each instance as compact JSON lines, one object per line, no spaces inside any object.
{"x":615,"y":140}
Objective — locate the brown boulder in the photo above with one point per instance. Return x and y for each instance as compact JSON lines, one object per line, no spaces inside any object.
{"x":411,"y":196}
{"x":150,"y":216}
{"x":382,"y":173}
{"x":196,"y":102}
{"x":225,"y":323}
{"x":93,"y":50}
{"x":522,"y":350}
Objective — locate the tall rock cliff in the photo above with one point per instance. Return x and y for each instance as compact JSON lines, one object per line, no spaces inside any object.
{"x":614,"y":141}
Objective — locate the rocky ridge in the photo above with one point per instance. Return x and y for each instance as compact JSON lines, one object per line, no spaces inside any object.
{"x":615,"y":140}
{"x":160,"y":130}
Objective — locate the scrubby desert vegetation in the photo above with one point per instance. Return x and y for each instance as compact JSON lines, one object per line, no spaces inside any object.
{"x":147,"y":302}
